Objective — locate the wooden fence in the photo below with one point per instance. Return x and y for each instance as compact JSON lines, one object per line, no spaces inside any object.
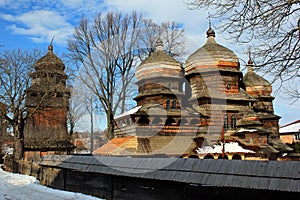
{"x":161,"y":178}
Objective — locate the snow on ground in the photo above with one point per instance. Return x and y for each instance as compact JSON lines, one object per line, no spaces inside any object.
{"x":19,"y":187}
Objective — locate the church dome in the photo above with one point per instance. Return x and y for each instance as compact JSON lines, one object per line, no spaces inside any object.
{"x":255,"y":84}
{"x":211,"y":55}
{"x":49,"y":62}
{"x":158,"y":64}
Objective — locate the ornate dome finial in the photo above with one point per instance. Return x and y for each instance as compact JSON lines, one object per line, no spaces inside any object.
{"x":250,"y":63}
{"x":210,"y":32}
{"x":50,"y":47}
{"x":159,"y":45}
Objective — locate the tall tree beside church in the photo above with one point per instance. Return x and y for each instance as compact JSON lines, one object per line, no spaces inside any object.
{"x":15,"y":69}
{"x":273,"y":26}
{"x":106,"y":52}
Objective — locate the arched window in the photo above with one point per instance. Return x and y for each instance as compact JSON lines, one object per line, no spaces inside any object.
{"x":208,"y":156}
{"x":143,"y":121}
{"x":173,"y":104}
{"x":233,"y":122}
{"x":193,"y":156}
{"x":236,"y":157}
{"x":170,"y":121}
{"x":221,"y":157}
{"x":168,"y":104}
{"x":225,"y":122}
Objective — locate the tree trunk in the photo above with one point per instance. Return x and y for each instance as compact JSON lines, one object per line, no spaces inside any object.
{"x":19,"y":149}
{"x":110,"y":125}
{"x":19,"y":138}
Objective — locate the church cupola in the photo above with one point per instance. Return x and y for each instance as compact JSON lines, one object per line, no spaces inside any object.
{"x":158,"y":64}
{"x":211,"y":56}
{"x":159,"y":79}
{"x":255,"y":84}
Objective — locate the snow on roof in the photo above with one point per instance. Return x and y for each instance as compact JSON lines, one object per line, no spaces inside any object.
{"x":129,"y":112}
{"x":231,"y":147}
{"x":246,"y":130}
{"x":291,"y":127}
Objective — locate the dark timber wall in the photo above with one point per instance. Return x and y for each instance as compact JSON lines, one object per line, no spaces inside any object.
{"x":178,"y":180}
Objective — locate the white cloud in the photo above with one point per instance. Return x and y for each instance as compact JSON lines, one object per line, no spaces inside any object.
{"x":40,"y":25}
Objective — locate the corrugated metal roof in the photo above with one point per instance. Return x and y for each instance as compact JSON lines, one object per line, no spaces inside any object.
{"x":266,"y":175}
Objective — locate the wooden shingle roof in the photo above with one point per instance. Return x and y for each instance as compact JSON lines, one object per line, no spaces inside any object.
{"x":265,"y":175}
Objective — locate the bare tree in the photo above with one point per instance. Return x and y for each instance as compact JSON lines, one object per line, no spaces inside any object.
{"x":106,"y":53}
{"x":272,"y":26}
{"x":15,"y":69}
{"x":75,"y":111}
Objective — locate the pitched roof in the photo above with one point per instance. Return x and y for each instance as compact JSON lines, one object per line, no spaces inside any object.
{"x":253,"y":79}
{"x":265,"y":175}
{"x":290,"y":127}
{"x":112,"y":145}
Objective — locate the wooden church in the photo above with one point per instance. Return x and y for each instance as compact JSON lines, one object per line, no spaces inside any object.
{"x":47,"y":101}
{"x":205,"y":108}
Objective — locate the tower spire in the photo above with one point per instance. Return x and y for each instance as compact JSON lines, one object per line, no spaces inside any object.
{"x":159,"y":44}
{"x":250,"y":63}
{"x":50,"y":47}
{"x":210,"y":32}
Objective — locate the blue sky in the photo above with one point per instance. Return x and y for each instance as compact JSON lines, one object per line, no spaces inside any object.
{"x":31,"y":24}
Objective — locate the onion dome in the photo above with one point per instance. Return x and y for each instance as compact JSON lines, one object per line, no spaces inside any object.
{"x":210,"y":56}
{"x":158,"y":64}
{"x":49,"y":62}
{"x":255,"y":84}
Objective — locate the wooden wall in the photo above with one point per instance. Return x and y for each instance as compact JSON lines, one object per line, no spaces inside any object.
{"x":122,"y":187}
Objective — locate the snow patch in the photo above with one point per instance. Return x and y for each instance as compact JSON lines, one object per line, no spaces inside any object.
{"x":19,"y":187}
{"x":231,"y":147}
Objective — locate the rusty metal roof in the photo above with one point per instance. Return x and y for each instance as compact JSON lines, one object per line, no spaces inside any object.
{"x":266,"y":175}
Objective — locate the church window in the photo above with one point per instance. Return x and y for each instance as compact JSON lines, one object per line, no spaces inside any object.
{"x":221,"y":157}
{"x":168,"y":104}
{"x":194,"y":156}
{"x":143,"y":121}
{"x":225,"y":122}
{"x":233,"y":122}
{"x":174,"y":104}
{"x":170,"y":121}
{"x":228,"y":86}
{"x":208,"y":156}
{"x":236,"y":157}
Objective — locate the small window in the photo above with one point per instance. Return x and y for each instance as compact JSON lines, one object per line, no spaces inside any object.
{"x":170,"y":121}
{"x":168,"y":104}
{"x":225,"y":122}
{"x":143,"y":121}
{"x":233,"y":122}
{"x":208,"y":156}
{"x":174,"y":104}
{"x":228,"y":86}
{"x":221,"y":157}
{"x":236,"y":157}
